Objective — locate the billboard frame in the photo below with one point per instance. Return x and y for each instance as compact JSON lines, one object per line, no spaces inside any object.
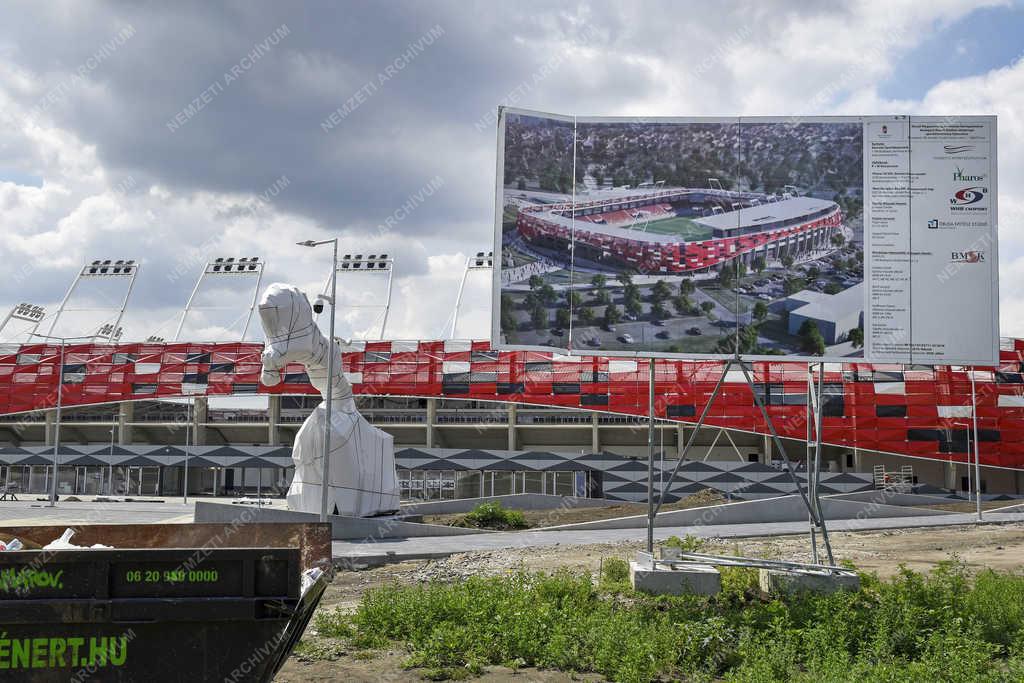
{"x":568,"y":348}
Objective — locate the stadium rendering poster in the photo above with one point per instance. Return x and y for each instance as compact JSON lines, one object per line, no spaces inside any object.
{"x":836,"y":238}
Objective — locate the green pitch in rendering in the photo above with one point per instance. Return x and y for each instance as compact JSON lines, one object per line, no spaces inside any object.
{"x":685,"y":228}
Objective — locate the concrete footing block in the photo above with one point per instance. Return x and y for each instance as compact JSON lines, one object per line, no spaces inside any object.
{"x":693,"y":579}
{"x":782,"y":581}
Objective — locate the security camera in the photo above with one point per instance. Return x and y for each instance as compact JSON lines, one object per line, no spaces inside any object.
{"x":318,"y":305}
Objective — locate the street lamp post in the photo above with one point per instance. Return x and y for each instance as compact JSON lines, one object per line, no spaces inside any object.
{"x":60,"y":394}
{"x":328,"y":400}
{"x":188,"y":425}
{"x":110,"y":465}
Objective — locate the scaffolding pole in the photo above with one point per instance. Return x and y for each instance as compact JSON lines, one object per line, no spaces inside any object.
{"x":814,"y":511}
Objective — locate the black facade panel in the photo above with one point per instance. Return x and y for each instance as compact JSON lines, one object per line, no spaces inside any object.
{"x":925,"y":434}
{"x":681,"y":411}
{"x":890,"y":411}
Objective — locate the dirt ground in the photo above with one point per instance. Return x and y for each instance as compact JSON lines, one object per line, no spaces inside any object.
{"x":997,"y":546}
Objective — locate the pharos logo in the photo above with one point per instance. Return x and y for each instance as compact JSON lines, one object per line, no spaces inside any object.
{"x":968,"y":195}
{"x":960,"y":177}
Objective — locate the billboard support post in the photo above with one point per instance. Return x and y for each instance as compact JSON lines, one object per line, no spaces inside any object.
{"x":817,"y":518}
{"x":977,"y":464}
{"x":815,"y":412}
{"x":650,"y":456}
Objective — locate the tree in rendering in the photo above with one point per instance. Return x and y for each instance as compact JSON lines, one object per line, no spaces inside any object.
{"x":760,"y":311}
{"x":810,"y":338}
{"x":539,"y":318}
{"x":548,"y":295}
{"x":661,"y":291}
{"x":562,"y":317}
{"x":508,"y":319}
{"x":634,"y":307}
{"x":612,"y":315}
{"x":856,"y":337}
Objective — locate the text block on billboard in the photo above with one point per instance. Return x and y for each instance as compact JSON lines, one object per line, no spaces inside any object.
{"x":841,"y":238}
{"x":930,"y":239}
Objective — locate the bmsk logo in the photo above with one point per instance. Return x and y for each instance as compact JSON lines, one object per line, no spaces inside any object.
{"x":968,"y":257}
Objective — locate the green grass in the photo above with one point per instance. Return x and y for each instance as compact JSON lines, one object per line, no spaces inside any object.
{"x":686,"y":228}
{"x":942,"y":626}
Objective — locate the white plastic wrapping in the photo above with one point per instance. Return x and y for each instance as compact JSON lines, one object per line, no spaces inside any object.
{"x":363,"y":481}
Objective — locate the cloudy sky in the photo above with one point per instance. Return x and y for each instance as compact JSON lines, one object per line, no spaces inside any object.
{"x":168,"y":132}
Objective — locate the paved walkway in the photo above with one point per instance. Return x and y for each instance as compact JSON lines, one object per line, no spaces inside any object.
{"x":373,"y":552}
{"x":29,"y":511}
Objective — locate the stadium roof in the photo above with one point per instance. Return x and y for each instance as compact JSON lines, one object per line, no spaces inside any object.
{"x":784,"y":210}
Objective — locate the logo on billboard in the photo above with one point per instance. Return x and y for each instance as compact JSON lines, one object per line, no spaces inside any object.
{"x":960,"y":177}
{"x":968,"y":257}
{"x":968,"y":195}
{"x":958,"y":149}
{"x":938,"y":224}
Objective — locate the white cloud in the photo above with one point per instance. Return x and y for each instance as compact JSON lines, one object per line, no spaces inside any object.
{"x":632,"y":59}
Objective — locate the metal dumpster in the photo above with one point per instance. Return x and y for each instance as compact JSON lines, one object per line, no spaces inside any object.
{"x":169,"y":602}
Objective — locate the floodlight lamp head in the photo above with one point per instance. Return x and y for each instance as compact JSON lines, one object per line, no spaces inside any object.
{"x":306,"y":243}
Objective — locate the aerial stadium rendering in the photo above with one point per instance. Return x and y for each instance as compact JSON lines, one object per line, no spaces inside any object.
{"x":701,"y":249}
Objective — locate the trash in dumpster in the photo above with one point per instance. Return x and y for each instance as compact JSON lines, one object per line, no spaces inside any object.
{"x":14,"y":544}
{"x":64,"y":543}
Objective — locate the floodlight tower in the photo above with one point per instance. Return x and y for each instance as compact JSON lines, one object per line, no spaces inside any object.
{"x":356,"y":264}
{"x":226,"y":267}
{"x":100,"y":269}
{"x":29,"y":313}
{"x":107,"y":331}
{"x":482,"y":261}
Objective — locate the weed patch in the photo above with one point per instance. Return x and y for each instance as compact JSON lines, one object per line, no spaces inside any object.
{"x":939,"y":626}
{"x":493,"y":516}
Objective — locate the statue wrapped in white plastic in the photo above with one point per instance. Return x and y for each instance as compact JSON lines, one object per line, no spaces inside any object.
{"x":363,"y":481}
